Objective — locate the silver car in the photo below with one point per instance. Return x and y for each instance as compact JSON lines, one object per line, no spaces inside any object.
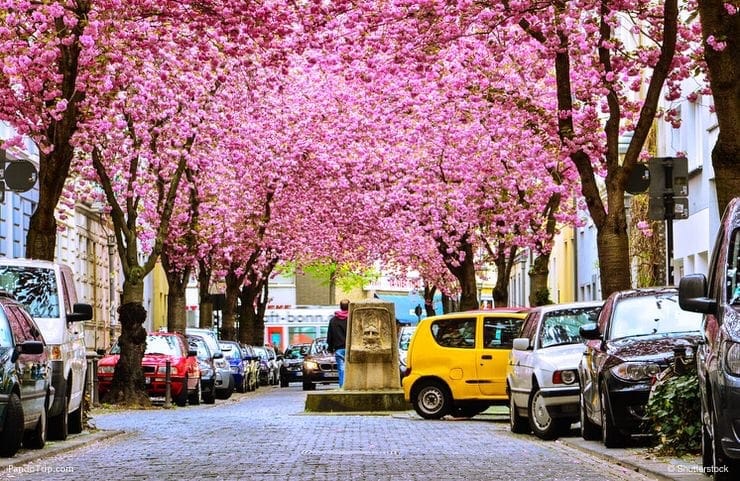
{"x":224,"y":379}
{"x":542,"y":376}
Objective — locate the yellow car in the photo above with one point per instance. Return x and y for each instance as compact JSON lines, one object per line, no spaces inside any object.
{"x":457,"y":363}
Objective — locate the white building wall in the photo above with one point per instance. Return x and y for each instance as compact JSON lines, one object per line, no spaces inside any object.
{"x":693,"y":238}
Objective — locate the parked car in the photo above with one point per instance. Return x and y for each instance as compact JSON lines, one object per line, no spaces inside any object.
{"x":404,"y":339}
{"x":25,"y":379}
{"x":275,"y":362}
{"x":291,"y":369}
{"x":633,"y":340}
{"x":224,"y":379}
{"x":207,"y":369}
{"x":718,"y":359}
{"x":319,"y":365}
{"x":233,"y":353}
{"x":252,"y":362}
{"x":47,"y":290}
{"x":266,"y":373}
{"x":542,"y":377}
{"x":456,"y":363}
{"x":160,"y":348}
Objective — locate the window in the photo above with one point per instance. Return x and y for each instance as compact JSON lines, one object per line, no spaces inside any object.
{"x":654,"y":314}
{"x":455,"y":332}
{"x":499,"y":332}
{"x":167,"y":345}
{"x":6,"y":339}
{"x":34,"y":287}
{"x":562,"y":327}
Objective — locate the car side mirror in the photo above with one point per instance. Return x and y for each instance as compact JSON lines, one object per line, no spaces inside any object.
{"x":520,"y":344}
{"x":218,"y":355}
{"x":192,"y":352}
{"x":692,"y":294}
{"x":590,"y":331}
{"x":27,"y":347}
{"x":80,"y":312}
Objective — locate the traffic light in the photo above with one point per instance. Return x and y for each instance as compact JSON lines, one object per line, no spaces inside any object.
{"x":669,"y":188}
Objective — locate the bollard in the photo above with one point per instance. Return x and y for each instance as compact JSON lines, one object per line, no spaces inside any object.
{"x":94,"y":394}
{"x":168,"y":385}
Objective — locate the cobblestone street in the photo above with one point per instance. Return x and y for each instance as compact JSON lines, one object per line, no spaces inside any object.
{"x":267,"y":435}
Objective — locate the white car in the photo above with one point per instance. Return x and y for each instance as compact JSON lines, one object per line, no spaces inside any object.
{"x":542,"y":376}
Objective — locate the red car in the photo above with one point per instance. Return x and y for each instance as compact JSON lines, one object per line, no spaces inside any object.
{"x":160,"y":347}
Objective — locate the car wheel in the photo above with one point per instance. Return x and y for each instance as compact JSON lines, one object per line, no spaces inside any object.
{"x":209,"y":397}
{"x":36,"y":439}
{"x":724,"y":467}
{"x":609,"y":434}
{"x":308,"y":386}
{"x":542,"y":424}
{"x":589,"y":430}
{"x":12,"y":432}
{"x":517,"y":423}
{"x":194,"y":397}
{"x":431,"y":400}
{"x":58,"y":428}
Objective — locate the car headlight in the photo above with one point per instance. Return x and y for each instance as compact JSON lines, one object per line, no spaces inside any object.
{"x":635,"y":371}
{"x":567,"y":376}
{"x":732,"y":357}
{"x":106,"y":369}
{"x":311,"y":365}
{"x":163,"y":370}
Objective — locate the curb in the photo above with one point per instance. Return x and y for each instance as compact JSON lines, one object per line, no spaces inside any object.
{"x":53,"y":448}
{"x":637,"y":460}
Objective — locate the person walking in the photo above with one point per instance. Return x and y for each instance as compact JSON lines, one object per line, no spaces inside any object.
{"x":336,"y":337}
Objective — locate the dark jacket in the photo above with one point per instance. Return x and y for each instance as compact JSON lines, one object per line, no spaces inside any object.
{"x":336,"y":336}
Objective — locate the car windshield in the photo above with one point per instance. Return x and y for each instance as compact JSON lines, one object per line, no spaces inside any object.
{"x":230,"y":351}
{"x":6,"y":339}
{"x":405,"y":338}
{"x":166,"y":345}
{"x":561,"y":326}
{"x":319,"y":346}
{"x":261,"y":353}
{"x":296,"y":352}
{"x":653,"y":314}
{"x":34,"y":287}
{"x":202,"y":348}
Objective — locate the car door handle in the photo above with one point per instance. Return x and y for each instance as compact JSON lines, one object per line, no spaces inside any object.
{"x":486,"y":356}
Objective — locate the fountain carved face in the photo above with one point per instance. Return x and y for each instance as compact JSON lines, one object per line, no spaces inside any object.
{"x":371,"y":335}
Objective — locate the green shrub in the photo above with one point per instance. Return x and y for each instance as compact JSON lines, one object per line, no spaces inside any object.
{"x":674,"y":413}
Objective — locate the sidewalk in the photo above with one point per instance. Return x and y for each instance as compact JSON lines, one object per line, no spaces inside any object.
{"x":53,"y":448}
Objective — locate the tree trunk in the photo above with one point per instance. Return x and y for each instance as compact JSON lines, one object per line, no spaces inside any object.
{"x":429,"y":292}
{"x":128,"y":378}
{"x":248,"y":329}
{"x":205,"y":306}
{"x":539,"y":293}
{"x":176,"y":305}
{"x":504,"y":263}
{"x":613,"y":248}
{"x":228,"y":323}
{"x":724,"y":73}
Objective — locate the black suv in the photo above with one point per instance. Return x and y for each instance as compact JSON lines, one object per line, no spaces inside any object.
{"x":25,"y":380}
{"x":319,"y":366}
{"x":718,"y":356}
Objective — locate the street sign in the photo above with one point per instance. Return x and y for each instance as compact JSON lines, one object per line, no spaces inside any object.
{"x":20,"y":175}
{"x":669,"y":188}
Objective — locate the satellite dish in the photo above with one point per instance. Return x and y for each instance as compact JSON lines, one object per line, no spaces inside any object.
{"x":20,"y":175}
{"x":639,"y":179}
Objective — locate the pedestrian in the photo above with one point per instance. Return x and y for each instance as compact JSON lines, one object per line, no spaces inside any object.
{"x":336,"y":337}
